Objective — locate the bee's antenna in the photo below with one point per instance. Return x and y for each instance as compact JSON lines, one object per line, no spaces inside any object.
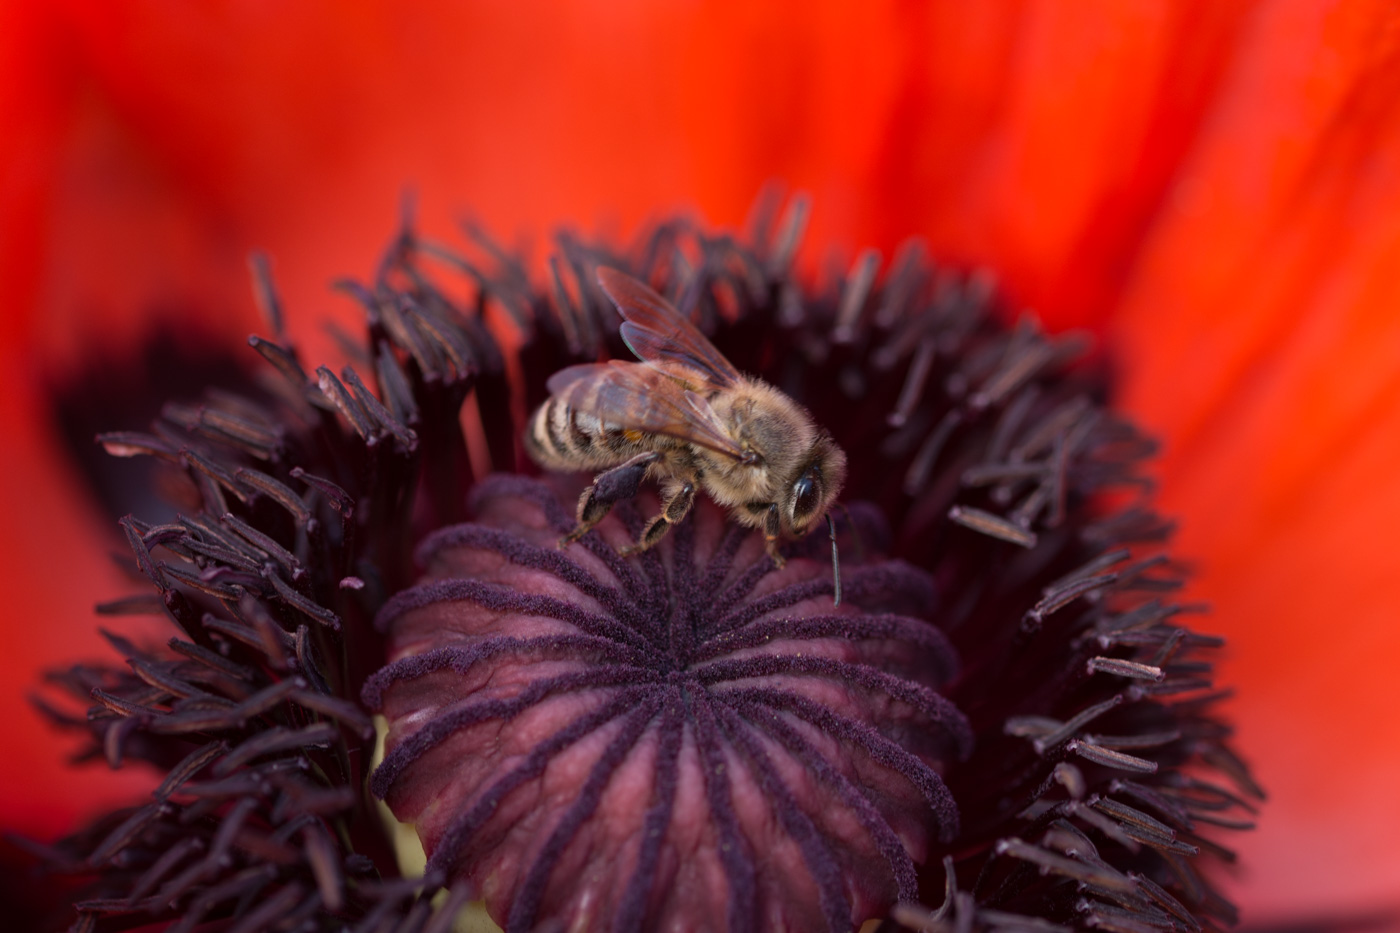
{"x":835,"y":559}
{"x":855,"y":532}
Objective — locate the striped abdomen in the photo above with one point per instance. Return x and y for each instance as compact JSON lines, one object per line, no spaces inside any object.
{"x":561,"y":437}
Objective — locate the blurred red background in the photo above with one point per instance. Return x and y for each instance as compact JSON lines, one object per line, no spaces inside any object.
{"x":1213,"y":187}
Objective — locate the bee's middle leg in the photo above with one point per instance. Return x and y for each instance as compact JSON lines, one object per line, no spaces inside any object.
{"x":674,"y":509}
{"x":609,"y":487}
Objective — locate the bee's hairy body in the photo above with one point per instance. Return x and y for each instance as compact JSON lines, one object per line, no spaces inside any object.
{"x":767,"y":422}
{"x":686,"y":419}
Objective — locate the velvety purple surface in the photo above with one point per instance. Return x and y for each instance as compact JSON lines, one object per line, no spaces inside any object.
{"x":688,"y":739}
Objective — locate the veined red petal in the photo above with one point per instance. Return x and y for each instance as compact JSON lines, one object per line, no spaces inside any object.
{"x":1265,"y":343}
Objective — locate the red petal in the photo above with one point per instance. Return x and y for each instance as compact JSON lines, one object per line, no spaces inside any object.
{"x":1270,"y":359}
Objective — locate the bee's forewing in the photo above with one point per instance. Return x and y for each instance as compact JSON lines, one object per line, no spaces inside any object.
{"x":630,"y":396}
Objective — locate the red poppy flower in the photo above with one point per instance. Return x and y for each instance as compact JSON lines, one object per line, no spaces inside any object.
{"x":1214,"y":188}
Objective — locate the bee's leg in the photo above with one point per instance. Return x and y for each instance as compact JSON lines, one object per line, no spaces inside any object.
{"x":673,"y":511}
{"x":772,"y":528}
{"x":609,"y":487}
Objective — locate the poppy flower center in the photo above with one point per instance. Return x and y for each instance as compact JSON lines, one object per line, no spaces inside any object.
{"x":618,"y":714}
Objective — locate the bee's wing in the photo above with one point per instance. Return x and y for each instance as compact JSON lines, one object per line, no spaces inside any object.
{"x":633,"y":397}
{"x":657,"y":333}
{"x":566,"y":377}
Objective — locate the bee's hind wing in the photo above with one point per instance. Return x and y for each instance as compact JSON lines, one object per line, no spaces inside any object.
{"x":562,"y":379}
{"x":658,"y":333}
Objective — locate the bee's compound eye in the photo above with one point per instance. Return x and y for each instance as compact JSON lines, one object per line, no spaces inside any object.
{"x":806,"y":496}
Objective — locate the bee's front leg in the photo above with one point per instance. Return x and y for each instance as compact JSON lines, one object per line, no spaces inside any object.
{"x":772,"y":528}
{"x":676,"y":507}
{"x":609,"y":487}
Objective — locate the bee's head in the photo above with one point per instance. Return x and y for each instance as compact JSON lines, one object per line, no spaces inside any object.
{"x":816,"y":485}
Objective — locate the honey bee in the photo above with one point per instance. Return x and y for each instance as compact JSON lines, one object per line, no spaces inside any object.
{"x":684,"y":416}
